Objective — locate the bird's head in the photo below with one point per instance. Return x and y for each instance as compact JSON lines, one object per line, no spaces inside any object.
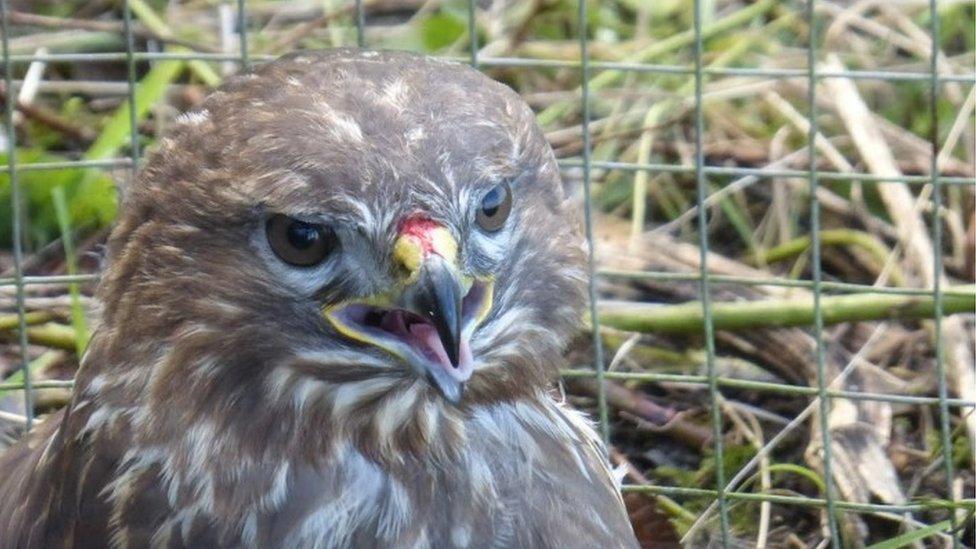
{"x":348,"y":226}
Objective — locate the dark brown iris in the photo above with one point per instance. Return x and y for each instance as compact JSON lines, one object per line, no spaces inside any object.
{"x":300,"y":243}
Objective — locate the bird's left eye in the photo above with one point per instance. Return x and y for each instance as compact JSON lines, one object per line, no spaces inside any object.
{"x":300,"y":243}
{"x":494,"y":208}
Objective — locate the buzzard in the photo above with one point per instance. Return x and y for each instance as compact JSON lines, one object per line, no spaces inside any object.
{"x":334,"y":306}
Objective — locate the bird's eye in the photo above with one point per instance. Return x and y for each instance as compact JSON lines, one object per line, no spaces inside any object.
{"x":299,"y":243}
{"x":494,"y":208}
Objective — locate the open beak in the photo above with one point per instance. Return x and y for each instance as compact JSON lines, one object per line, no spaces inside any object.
{"x":437,"y":296}
{"x":429,"y":320}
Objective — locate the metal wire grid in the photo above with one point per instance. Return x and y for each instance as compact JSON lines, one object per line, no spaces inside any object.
{"x":725,"y":489}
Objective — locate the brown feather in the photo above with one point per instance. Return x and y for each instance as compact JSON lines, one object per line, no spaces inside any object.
{"x":217,"y":407}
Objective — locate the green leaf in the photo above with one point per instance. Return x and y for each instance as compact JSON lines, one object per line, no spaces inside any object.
{"x":441,"y":30}
{"x":90,"y":193}
{"x":95,"y":207}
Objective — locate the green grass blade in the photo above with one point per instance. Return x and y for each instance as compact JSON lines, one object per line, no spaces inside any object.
{"x":150,"y":89}
{"x":37,"y":365}
{"x":116,"y":132}
{"x":155,"y":23}
{"x":908,"y":538}
{"x":802,"y":471}
{"x":77,"y":311}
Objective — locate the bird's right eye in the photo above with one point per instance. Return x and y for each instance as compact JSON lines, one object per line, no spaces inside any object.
{"x":300,"y":243}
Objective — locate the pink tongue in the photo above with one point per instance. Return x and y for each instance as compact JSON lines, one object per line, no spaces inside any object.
{"x":394,"y":323}
{"x":427,"y":337}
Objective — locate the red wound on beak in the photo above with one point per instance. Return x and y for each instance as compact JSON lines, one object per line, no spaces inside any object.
{"x":420,"y":228}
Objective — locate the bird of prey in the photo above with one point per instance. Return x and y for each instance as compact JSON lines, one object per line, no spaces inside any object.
{"x":332,"y":314}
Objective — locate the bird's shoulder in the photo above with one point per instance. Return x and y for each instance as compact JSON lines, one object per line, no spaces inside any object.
{"x":51,"y":486}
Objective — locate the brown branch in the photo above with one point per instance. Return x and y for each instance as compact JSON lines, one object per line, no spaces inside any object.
{"x":648,"y":414}
{"x":50,"y":119}
{"x":22,"y":18}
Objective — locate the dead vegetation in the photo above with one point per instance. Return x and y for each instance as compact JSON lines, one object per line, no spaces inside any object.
{"x":888,"y":231}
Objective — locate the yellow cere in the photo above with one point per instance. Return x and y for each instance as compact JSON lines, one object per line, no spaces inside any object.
{"x":409,"y":250}
{"x":444,"y":244}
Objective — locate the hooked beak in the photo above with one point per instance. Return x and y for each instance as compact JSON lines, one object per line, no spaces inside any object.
{"x":429,"y":321}
{"x":437,"y":296}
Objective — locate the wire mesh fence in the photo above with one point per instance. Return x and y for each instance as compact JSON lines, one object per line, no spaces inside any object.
{"x":814,"y":302}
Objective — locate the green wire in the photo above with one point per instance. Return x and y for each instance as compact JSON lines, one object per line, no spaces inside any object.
{"x":815,"y":260}
{"x":588,"y":220}
{"x":706,"y":290}
{"x":17,"y":211}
